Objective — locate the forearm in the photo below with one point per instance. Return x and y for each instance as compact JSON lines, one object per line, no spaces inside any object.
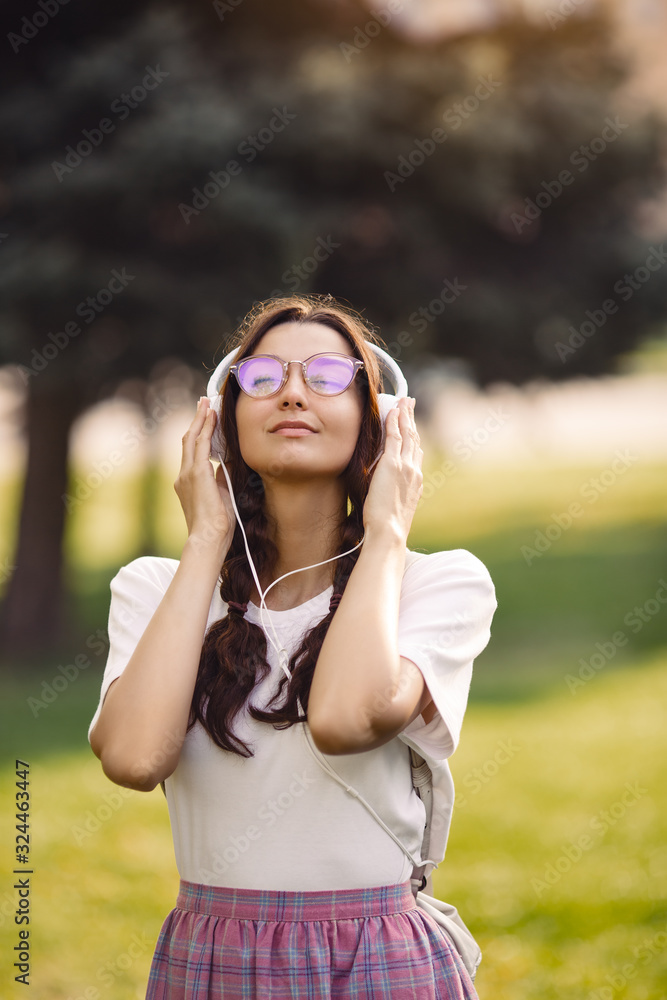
{"x":357,"y":672}
{"x":143,"y":720}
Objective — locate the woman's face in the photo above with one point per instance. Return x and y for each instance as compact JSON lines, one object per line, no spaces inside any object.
{"x":334,"y":421}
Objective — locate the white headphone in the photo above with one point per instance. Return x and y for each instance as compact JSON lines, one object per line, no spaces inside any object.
{"x":386,"y":402}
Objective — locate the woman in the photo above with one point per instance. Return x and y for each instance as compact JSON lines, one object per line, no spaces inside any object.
{"x":289,"y":888}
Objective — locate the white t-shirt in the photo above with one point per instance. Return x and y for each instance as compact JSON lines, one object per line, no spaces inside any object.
{"x":277,"y":820}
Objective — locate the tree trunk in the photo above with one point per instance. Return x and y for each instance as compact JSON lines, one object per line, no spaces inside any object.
{"x":31,"y":616}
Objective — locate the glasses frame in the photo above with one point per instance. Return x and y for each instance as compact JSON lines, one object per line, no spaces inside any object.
{"x":357,"y":366}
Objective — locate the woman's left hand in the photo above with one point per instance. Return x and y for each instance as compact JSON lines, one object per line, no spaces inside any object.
{"x":397,"y":481}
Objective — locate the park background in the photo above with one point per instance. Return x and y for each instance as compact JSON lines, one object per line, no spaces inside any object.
{"x":513,"y":263}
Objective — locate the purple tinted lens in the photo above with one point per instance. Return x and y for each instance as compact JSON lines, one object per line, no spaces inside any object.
{"x":329,"y":375}
{"x":260,"y":376}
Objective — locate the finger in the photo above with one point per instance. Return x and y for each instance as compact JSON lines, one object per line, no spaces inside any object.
{"x":392,"y":428}
{"x":191,"y":434}
{"x":408,"y":429}
{"x":202,"y":446}
{"x":411,"y":419}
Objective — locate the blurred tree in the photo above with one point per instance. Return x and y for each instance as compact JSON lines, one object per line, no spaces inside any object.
{"x":166,"y":165}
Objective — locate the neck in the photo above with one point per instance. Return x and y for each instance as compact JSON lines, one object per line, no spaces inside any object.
{"x":303,"y":522}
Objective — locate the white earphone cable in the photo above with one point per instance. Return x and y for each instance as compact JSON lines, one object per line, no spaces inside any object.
{"x":262,"y":606}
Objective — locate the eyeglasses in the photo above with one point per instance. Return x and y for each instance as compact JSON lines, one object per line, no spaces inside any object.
{"x":326,"y":374}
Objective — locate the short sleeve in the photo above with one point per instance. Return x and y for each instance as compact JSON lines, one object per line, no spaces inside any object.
{"x":136,"y":592}
{"x":447,"y":603}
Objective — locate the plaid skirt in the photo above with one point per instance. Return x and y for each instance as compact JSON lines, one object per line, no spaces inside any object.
{"x":236,"y":944}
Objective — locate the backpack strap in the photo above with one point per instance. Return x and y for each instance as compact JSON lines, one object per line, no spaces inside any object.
{"x":422,"y":780}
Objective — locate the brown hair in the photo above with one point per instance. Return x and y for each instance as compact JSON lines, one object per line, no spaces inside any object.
{"x":233,"y":657}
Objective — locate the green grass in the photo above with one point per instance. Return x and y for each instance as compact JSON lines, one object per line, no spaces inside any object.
{"x":570,"y":760}
{"x":105,"y":875}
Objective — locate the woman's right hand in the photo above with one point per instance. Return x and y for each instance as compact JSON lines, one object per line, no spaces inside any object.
{"x":203,"y":494}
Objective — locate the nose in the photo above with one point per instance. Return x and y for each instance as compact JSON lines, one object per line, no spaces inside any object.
{"x":294,"y":392}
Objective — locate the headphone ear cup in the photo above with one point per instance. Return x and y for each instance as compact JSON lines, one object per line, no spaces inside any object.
{"x":386,"y":402}
{"x":218,"y":443}
{"x":215,"y":384}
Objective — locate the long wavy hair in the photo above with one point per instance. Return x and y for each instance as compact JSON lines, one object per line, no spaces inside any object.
{"x":233,"y":656}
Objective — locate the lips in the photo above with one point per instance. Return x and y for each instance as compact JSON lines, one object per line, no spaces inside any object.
{"x":292,"y":425}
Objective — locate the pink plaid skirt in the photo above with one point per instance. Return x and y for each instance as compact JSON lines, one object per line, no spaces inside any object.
{"x":236,"y":944}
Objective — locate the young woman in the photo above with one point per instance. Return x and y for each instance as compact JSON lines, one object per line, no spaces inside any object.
{"x":289,"y":888}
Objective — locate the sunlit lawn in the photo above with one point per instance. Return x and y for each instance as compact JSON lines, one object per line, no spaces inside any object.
{"x":105,"y":877}
{"x":551,"y":923}
{"x":558,"y":853}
